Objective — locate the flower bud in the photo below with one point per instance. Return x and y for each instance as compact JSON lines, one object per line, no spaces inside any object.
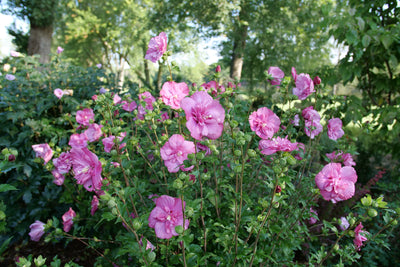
{"x":372,"y":212}
{"x":317,"y":80}
{"x":218,"y":69}
{"x":11,"y":158}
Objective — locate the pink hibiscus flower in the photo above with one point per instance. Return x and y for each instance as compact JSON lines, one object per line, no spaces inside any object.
{"x":294,"y":74}
{"x":341,"y":157}
{"x":58,"y":177}
{"x":58,"y":93}
{"x":312,"y":128}
{"x":213,"y":87}
{"x":129,"y":106}
{"x":277,"y":75}
{"x":43,"y":151}
{"x":264,"y":122}
{"x":205,"y":116}
{"x":166,"y":216}
{"x":336,"y":183}
{"x":84,"y":116}
{"x":335,"y":130}
{"x":157,"y":47}
{"x":271,"y":146}
{"x":172,"y":93}
{"x":93,"y":132}
{"x":37,"y":230}
{"x":68,"y":218}
{"x":175,"y":151}
{"x":304,"y":86}
{"x":359,"y":236}
{"x":94,"y":204}
{"x":148,"y":98}
{"x":87,"y":168}
{"x":78,"y":140}
{"x":108,"y":142}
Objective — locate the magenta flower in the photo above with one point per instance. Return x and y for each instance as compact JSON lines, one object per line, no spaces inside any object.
{"x":277,"y":75}
{"x":84,"y":116}
{"x":37,"y":230}
{"x":294,"y":74}
{"x":108,"y":142}
{"x":87,"y":168}
{"x":63,"y":163}
{"x":166,"y":216}
{"x":214,"y":87}
{"x":68,"y":218}
{"x":58,"y":177}
{"x":58,"y":93}
{"x":172,"y":93}
{"x":157,"y":47}
{"x":264,"y":122}
{"x":218,"y":69}
{"x":312,"y":128}
{"x":93,"y":132}
{"x":148,"y":98}
{"x":205,"y":116}
{"x":335,"y":130}
{"x":341,"y":157}
{"x":310,"y":114}
{"x":271,"y":146}
{"x":43,"y":151}
{"x":175,"y":151}
{"x":148,"y":244}
{"x":317,"y":80}
{"x":129,"y":106}
{"x":164,"y":116}
{"x":78,"y":140}
{"x":10,"y":77}
{"x":336,"y":183}
{"x":59,"y":50}
{"x":304,"y":86}
{"x":94,"y":204}
{"x":359,"y":236}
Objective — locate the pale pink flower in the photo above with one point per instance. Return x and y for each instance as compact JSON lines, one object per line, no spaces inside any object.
{"x":277,"y":75}
{"x":15,"y":54}
{"x":148,"y":98}
{"x":205,"y":116}
{"x":94,"y":204}
{"x":335,"y":130}
{"x":87,"y":168}
{"x":344,"y":223}
{"x":37,"y":230}
{"x":296,"y":120}
{"x":341,"y":157}
{"x":336,"y":183}
{"x":78,"y":140}
{"x":271,"y":146}
{"x":304,"y":86}
{"x":312,"y":128}
{"x":93,"y":132}
{"x":157,"y":47}
{"x":141,"y":112}
{"x":310,"y":114}
{"x":58,"y":177}
{"x":166,"y":216}
{"x":116,"y":99}
{"x":129,"y":106}
{"x":108,"y":142}
{"x":63,"y":163}
{"x":99,"y":65}
{"x":43,"y":151}
{"x":172,"y":93}
{"x":10,"y":77}
{"x":264,"y":122}
{"x":359,"y":236}
{"x":175,"y":151}
{"x":84,"y":116}
{"x":312,"y":219}
{"x":58,"y":93}
{"x":149,"y":245}
{"x":68,"y":218}
{"x":59,"y":50}
{"x":213,"y":87}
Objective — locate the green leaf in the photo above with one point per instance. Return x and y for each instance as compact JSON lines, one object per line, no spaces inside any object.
{"x":366,"y":40}
{"x":386,"y":40}
{"x":361,"y":23}
{"x":7,"y":187}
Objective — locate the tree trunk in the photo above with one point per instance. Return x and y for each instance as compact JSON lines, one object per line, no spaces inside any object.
{"x":239,"y":44}
{"x":146,"y":66}
{"x":121,"y":73}
{"x":40,"y":42}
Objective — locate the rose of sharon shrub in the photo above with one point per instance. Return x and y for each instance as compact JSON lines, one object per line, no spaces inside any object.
{"x":304,"y":86}
{"x":277,"y":75}
{"x":336,"y":183}
{"x":84,"y":116}
{"x":175,"y":151}
{"x":264,"y":122}
{"x":157,"y":47}
{"x":37,"y":230}
{"x":172,"y":93}
{"x":68,"y":219}
{"x":271,"y":146}
{"x":335,"y":130}
{"x":166,"y":216}
{"x":205,"y":116}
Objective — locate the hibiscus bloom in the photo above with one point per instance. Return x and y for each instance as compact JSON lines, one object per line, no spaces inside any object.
{"x":84,"y":116}
{"x":58,"y":93}
{"x":58,"y":177}
{"x":129,"y":106}
{"x":166,"y":216}
{"x":94,"y":204}
{"x":68,"y":218}
{"x":148,"y":98}
{"x":205,"y":116}
{"x":175,"y":151}
{"x":10,"y":77}
{"x":271,"y":146}
{"x":336,"y":183}
{"x":312,"y":128}
{"x":93,"y":132}
{"x":37,"y":230}
{"x":172,"y":93}
{"x":59,"y":50}
{"x":304,"y":86}
{"x":108,"y":142}
{"x":157,"y":47}
{"x":277,"y":75}
{"x":87,"y":168}
{"x":335,"y":130}
{"x":264,"y":122}
{"x":359,"y":236}
{"x":341,"y":157}
{"x":78,"y":140}
{"x":62,"y":163}
{"x":214,"y":87}
{"x":43,"y":151}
